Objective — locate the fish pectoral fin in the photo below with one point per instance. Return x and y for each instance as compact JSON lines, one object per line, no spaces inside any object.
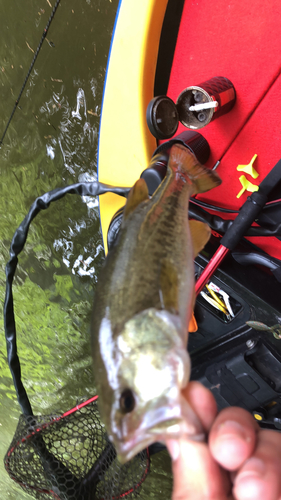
{"x":137,"y":195}
{"x":169,"y":286}
{"x":192,"y":327}
{"x":200,"y":235}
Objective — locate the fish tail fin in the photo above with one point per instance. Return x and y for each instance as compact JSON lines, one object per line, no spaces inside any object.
{"x":202,"y":178}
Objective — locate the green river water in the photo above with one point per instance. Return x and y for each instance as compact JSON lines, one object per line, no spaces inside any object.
{"x":49,"y":146}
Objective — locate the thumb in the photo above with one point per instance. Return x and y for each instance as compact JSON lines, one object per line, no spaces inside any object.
{"x":196,"y":474}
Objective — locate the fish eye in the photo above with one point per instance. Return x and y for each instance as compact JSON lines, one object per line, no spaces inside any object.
{"x":127,"y":401}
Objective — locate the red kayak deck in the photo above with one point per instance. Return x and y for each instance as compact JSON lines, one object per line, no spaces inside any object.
{"x":241,"y":41}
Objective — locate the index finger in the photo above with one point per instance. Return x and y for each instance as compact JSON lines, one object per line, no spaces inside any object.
{"x":202,"y":402}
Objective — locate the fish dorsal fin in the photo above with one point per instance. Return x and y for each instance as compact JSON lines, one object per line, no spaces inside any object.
{"x":200,"y":234}
{"x":202,"y":178}
{"x":169,"y":287}
{"x":137,"y":194}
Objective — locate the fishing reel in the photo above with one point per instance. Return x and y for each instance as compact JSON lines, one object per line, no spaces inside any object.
{"x":157,"y":168}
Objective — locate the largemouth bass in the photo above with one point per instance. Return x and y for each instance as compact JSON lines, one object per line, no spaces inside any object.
{"x":143,"y":304}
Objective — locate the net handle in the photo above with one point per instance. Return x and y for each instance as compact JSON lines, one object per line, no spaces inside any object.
{"x":94,"y":188}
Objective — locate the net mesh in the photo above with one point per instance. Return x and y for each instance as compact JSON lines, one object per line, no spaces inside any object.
{"x":70,"y":457}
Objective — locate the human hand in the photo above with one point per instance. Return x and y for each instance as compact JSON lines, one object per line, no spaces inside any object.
{"x":240,"y":460}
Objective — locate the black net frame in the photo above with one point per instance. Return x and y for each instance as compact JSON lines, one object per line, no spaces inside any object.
{"x":70,"y":457}
{"x":69,"y":470}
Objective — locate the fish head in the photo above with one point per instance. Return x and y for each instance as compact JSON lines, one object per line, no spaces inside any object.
{"x":152,"y":366}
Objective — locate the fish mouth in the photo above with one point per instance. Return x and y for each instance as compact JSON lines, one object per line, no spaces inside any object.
{"x":173,"y":428}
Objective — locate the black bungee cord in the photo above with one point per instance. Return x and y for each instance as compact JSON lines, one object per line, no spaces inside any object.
{"x":41,"y":203}
{"x":30,"y":69}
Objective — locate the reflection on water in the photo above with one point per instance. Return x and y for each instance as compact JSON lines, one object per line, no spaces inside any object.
{"x":52,"y":141}
{"x":81,"y":103}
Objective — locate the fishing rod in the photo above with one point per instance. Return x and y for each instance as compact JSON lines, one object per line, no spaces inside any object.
{"x":46,"y":29}
{"x":247,"y":214}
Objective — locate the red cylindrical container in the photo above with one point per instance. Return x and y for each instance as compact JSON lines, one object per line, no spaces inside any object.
{"x":219,"y":92}
{"x":194,"y":141}
{"x":156,"y":171}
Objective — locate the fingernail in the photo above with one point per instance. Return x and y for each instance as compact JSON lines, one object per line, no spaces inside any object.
{"x":254,"y":467}
{"x":231,"y":428}
{"x":173,"y":448}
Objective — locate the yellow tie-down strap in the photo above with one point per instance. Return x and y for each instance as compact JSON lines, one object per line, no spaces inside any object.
{"x":125,"y":142}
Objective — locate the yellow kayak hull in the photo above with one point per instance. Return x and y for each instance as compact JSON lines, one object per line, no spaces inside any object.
{"x":125,"y":142}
